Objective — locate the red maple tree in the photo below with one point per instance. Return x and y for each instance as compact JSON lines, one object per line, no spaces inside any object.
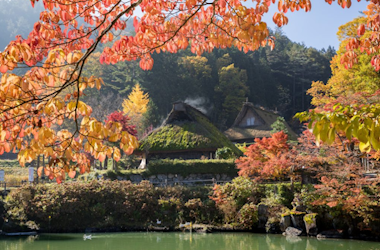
{"x":267,"y":158}
{"x":118,"y":116}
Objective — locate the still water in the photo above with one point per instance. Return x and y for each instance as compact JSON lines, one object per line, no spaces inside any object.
{"x":179,"y":241}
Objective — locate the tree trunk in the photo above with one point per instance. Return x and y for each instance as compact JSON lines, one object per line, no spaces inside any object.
{"x":38,"y":166}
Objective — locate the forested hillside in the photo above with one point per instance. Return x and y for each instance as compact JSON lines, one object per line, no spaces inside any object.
{"x":218,"y":82}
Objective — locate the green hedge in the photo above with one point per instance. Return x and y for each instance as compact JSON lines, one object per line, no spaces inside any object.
{"x":120,"y":205}
{"x":187,"y":167}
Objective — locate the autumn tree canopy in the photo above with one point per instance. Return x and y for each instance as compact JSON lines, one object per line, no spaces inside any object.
{"x":348,"y":105}
{"x":34,"y":105}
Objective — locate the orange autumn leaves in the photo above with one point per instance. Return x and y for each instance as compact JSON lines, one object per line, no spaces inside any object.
{"x":365,"y":43}
{"x":33,"y":110}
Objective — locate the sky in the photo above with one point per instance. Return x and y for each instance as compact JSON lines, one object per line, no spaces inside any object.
{"x":318,"y":27}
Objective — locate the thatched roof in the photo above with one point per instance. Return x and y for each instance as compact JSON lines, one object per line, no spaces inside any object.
{"x":263,"y":121}
{"x":186,"y":129}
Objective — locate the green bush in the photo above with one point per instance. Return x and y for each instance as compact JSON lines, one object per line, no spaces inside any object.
{"x":248,"y":216}
{"x":187,"y":167}
{"x":282,"y":191}
{"x":111,"y":174}
{"x":231,"y":197}
{"x":76,"y":206}
{"x":2,"y":213}
{"x":224,"y":153}
{"x":124,"y":174}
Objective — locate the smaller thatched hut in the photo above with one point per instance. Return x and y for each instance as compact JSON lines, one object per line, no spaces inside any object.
{"x":187,"y":134}
{"x":253,"y":122}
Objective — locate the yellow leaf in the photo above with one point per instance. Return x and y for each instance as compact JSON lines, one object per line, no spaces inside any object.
{"x":114,"y":137}
{"x":116,"y":154}
{"x":365,"y":147}
{"x":71,"y":106}
{"x":324,"y":132}
{"x":3,"y":135}
{"x":375,"y":136}
{"x":331,"y":136}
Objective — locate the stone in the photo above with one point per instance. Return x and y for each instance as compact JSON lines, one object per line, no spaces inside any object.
{"x":193,"y":177}
{"x":262,"y":212}
{"x":340,"y":222}
{"x":272,"y":227}
{"x":161,"y":177}
{"x":136,"y":178}
{"x":297,"y":219}
{"x":292,"y":231}
{"x":170,"y":176}
{"x":311,"y":224}
{"x":330,"y":234}
{"x":285,"y":222}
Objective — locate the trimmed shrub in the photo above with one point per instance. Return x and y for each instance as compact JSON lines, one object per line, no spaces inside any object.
{"x":224,"y":153}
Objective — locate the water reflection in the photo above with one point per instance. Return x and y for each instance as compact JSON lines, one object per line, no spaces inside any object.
{"x":180,"y":241}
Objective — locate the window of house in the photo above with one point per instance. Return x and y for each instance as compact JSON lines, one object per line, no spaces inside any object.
{"x":251,"y":121}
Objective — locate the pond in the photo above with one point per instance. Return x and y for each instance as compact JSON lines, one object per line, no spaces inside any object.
{"x":179,"y":241}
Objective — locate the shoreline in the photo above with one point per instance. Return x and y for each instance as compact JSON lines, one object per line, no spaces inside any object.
{"x":197,"y":229}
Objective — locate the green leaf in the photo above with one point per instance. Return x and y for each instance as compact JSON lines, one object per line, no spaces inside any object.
{"x":368,"y":122}
{"x":362,"y":134}
{"x":331,"y":136}
{"x":355,"y":125}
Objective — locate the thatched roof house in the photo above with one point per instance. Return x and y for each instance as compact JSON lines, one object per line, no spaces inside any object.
{"x":186,"y":133}
{"x":253,"y":122}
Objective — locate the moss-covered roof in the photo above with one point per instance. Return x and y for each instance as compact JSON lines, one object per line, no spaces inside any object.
{"x":186,"y":129}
